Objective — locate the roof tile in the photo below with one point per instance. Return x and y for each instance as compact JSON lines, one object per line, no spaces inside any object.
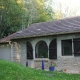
{"x":46,"y":28}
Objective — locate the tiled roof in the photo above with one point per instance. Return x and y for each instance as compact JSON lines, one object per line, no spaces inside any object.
{"x":7,"y":39}
{"x":63,"y":26}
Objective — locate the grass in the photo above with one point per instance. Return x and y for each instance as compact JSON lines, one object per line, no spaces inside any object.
{"x":14,"y":71}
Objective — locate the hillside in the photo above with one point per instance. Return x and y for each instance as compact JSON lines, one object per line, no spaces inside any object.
{"x":15,"y":71}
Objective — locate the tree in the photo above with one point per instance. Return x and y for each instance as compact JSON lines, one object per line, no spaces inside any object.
{"x":64,"y":10}
{"x":10,"y":17}
{"x":36,"y":11}
{"x":19,"y":14}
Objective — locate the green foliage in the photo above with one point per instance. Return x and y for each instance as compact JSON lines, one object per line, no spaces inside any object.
{"x":18,"y":14}
{"x":10,"y":16}
{"x":36,"y":11}
{"x":14,"y":71}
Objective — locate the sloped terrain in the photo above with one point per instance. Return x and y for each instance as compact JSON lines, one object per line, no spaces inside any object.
{"x":15,"y":71}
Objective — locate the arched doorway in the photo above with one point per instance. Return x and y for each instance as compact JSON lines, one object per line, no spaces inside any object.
{"x":41,"y":50}
{"x":29,"y":51}
{"x":53,"y":49}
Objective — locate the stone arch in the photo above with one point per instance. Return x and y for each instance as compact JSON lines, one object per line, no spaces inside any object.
{"x":41,"y":50}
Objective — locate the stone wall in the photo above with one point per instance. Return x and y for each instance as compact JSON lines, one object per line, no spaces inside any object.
{"x":68,"y":64}
{"x":62,"y":64}
{"x":19,"y":51}
{"x":38,"y":64}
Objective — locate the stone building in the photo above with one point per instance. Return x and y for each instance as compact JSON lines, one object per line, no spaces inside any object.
{"x":57,"y":41}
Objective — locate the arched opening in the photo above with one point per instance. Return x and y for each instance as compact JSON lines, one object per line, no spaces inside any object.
{"x":53,"y":49}
{"x":41,"y":50}
{"x":29,"y":51}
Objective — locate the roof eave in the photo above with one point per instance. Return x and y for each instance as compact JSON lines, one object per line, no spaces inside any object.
{"x":43,"y":35}
{"x":5,"y":42}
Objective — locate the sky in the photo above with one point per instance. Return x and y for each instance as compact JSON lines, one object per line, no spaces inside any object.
{"x":64,"y":4}
{"x":70,"y":3}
